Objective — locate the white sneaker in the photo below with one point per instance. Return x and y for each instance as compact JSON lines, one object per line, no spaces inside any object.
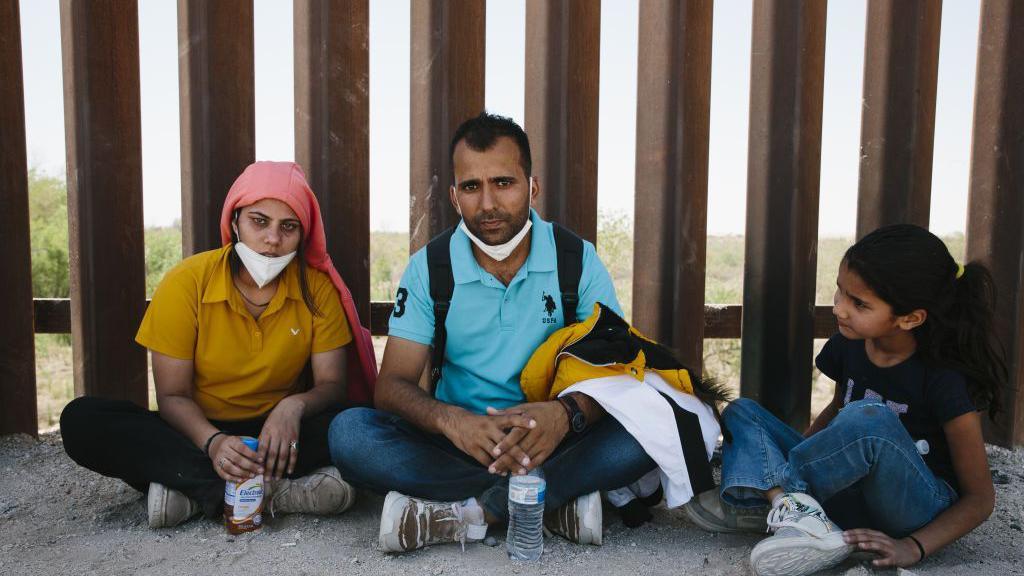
{"x":166,"y":507}
{"x":322,"y":491}
{"x":579,"y":521}
{"x":408,"y":523}
{"x":804,"y":540}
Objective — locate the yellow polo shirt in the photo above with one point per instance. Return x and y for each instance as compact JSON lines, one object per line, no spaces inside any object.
{"x":243,"y":366}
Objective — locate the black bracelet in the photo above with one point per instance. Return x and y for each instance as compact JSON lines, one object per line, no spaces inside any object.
{"x":919,"y":547}
{"x":206,"y":448}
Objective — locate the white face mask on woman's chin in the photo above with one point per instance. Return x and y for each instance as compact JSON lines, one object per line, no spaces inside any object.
{"x":497,"y":252}
{"x":263,"y":269}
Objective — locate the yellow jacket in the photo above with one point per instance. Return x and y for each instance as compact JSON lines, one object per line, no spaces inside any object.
{"x":602,"y":345}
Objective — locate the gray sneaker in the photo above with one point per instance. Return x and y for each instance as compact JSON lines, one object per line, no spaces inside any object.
{"x":580,"y":520}
{"x":322,"y":491}
{"x":708,"y":511}
{"x":167,"y":508}
{"x":408,"y":523}
{"x":804,"y":540}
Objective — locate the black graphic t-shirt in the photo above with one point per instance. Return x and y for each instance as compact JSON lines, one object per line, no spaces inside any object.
{"x":923,"y":397}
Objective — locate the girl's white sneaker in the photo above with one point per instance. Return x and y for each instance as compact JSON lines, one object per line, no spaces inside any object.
{"x":803,"y":539}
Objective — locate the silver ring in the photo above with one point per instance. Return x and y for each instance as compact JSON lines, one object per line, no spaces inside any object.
{"x":294,"y":445}
{"x":223,"y":460}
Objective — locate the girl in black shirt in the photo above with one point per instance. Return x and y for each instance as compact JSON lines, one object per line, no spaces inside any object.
{"x":915,"y":362}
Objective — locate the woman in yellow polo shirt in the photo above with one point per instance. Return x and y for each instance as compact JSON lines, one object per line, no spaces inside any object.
{"x":230,"y":331}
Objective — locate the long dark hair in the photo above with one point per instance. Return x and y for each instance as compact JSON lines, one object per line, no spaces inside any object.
{"x":910,"y":268}
{"x":307,"y":296}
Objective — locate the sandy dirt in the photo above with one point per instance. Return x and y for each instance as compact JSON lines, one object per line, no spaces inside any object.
{"x":57,"y":518}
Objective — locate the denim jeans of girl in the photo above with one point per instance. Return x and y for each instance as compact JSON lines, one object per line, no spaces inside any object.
{"x":863,"y":467}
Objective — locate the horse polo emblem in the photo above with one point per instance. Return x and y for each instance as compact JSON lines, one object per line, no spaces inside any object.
{"x":549,"y":308}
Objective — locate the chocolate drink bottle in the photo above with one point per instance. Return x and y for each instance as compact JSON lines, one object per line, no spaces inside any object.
{"x":243,"y":501}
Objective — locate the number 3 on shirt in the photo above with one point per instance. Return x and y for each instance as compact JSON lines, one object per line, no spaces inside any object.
{"x":400,"y":302}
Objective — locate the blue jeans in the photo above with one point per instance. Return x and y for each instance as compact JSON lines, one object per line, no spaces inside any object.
{"x":379,"y":451}
{"x":863,"y":467}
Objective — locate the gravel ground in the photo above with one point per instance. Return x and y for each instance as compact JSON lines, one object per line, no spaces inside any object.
{"x":57,"y":518}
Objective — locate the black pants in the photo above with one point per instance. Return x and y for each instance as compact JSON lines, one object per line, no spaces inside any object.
{"x":119,"y":439}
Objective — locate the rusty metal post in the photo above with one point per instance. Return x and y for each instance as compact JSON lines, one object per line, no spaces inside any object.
{"x":901,"y":63}
{"x":218,"y":127}
{"x":673,"y":117}
{"x":332,"y":118}
{"x":447,"y":86}
{"x":787,"y":73}
{"x":103,"y":126}
{"x":17,"y":341}
{"x":563,"y":46}
{"x":996,"y":207}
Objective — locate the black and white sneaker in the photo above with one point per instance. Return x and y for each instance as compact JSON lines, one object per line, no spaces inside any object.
{"x":804,"y":540}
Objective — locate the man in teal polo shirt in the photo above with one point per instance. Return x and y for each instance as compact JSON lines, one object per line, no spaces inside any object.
{"x":444,"y":458}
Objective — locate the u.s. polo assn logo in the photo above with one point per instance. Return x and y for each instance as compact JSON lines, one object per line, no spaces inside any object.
{"x":549,"y":309}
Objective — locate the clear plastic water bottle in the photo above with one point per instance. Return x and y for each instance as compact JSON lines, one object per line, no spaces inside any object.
{"x":525,"y":539}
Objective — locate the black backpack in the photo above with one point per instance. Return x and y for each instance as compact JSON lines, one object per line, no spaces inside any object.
{"x":569,"y":255}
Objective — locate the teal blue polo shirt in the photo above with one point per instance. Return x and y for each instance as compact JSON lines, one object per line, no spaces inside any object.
{"x":493,"y":329}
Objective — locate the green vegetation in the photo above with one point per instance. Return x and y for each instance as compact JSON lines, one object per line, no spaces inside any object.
{"x":389,"y":254}
{"x":48,"y":220}
{"x":163,"y":251}
{"x":388,"y":258}
{"x":48,"y":223}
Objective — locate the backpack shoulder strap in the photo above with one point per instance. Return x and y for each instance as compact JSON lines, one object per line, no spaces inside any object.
{"x":569,"y":250}
{"x":442,"y":285}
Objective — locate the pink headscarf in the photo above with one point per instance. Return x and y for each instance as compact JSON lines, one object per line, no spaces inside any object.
{"x":285,"y":181}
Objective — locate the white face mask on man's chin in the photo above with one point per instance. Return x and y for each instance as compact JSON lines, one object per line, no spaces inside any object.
{"x":502,"y":251}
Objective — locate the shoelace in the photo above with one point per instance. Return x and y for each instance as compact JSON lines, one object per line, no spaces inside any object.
{"x":460,"y":525}
{"x":311,"y":496}
{"x":782,"y":515}
{"x":276,"y":493}
{"x":452,"y":513}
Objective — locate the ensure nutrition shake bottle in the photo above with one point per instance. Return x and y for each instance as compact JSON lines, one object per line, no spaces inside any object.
{"x":243,"y":502}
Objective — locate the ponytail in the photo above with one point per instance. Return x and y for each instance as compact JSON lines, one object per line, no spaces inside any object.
{"x":972,"y":348}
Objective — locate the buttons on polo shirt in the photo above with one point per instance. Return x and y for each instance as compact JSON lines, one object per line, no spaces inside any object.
{"x":508,"y":314}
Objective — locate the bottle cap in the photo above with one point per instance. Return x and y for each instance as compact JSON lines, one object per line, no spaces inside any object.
{"x":922,"y":447}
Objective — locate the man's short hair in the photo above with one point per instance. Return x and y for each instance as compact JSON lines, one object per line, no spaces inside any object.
{"x":482,"y":131}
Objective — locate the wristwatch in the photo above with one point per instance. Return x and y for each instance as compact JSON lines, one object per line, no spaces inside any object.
{"x":577,"y":419}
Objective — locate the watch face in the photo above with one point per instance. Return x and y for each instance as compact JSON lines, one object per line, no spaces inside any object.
{"x":579,"y":422}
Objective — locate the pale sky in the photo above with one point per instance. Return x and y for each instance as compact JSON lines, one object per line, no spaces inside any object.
{"x":389,"y":104}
